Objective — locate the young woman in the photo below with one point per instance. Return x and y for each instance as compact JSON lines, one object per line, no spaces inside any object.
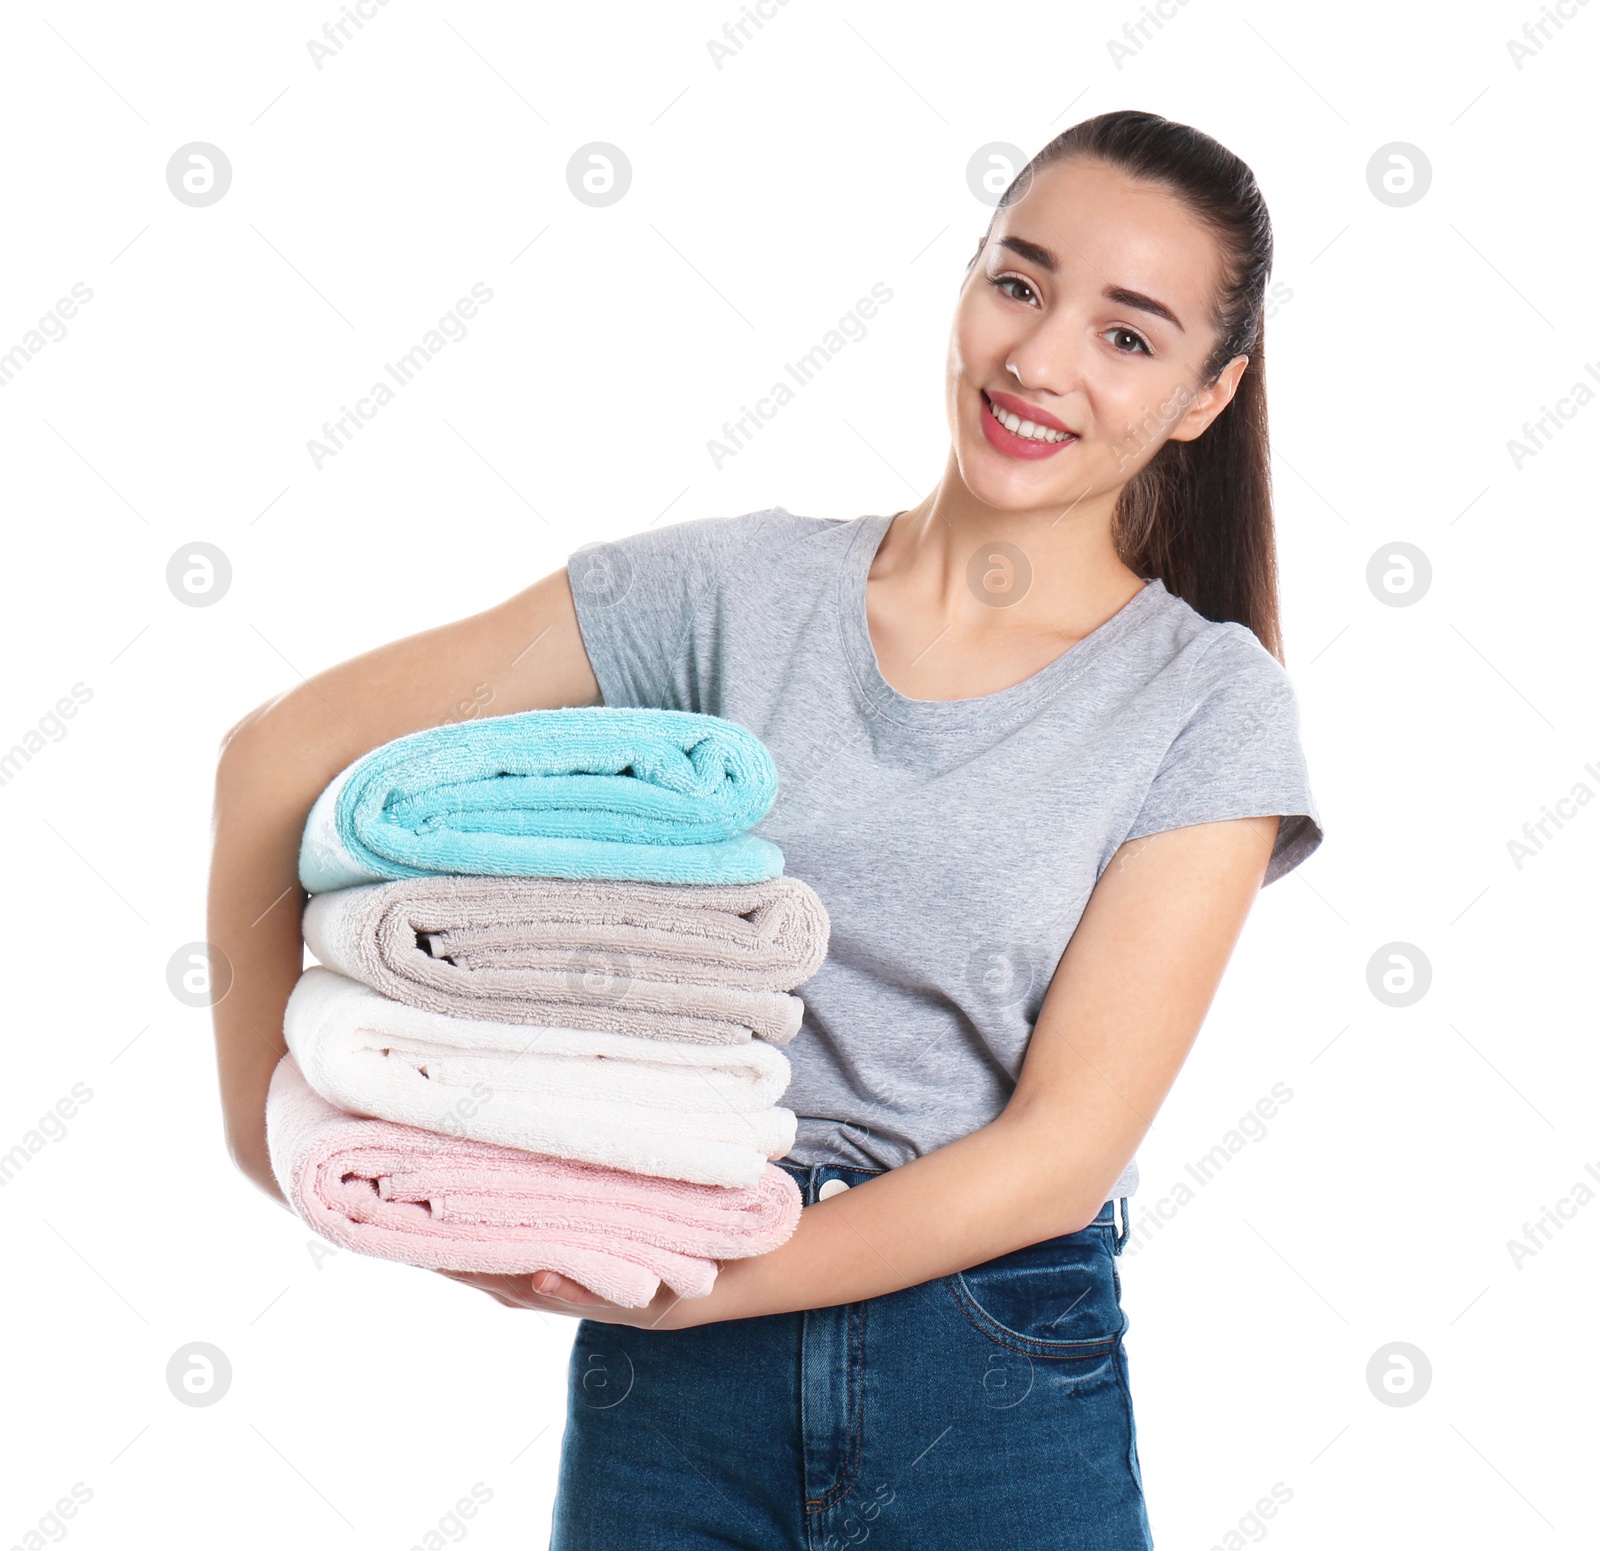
{"x":1037,"y":754}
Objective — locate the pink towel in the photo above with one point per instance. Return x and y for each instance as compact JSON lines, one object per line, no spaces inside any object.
{"x":445,"y":1202}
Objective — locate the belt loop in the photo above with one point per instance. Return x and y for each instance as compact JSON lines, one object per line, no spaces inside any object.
{"x":1122,"y":1237}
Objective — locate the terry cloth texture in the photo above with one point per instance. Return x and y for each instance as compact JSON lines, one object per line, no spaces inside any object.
{"x":449,"y":1203}
{"x":580,"y":792}
{"x":705,"y":1113}
{"x":702,"y":962}
{"x":954,"y":843}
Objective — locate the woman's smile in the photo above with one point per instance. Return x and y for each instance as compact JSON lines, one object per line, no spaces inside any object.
{"x":1019,"y":430}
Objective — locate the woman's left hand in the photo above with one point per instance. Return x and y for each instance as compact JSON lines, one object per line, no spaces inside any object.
{"x":554,"y":1294}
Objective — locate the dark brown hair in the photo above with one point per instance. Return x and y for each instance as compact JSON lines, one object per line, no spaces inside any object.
{"x":1199,"y":514}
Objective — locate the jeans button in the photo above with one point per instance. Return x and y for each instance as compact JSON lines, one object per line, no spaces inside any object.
{"x":830,"y":1187}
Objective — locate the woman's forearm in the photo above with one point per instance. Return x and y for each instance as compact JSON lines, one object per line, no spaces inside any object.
{"x":1012,"y":1182}
{"x":1122,"y":1012}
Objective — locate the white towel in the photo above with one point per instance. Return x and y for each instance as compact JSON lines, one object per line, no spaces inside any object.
{"x":703,"y":1113}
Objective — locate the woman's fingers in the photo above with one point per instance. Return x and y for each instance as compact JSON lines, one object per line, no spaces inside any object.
{"x":538,"y":1291}
{"x":554,"y":1286}
{"x":512,"y":1291}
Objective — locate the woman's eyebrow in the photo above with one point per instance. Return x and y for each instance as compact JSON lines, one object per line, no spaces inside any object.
{"x":1037,"y":253}
{"x":1142,"y":303}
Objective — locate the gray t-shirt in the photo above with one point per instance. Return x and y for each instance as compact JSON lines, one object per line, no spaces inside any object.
{"x":953,"y":842}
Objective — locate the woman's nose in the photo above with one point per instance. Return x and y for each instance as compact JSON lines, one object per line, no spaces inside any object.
{"x":1047,"y":361}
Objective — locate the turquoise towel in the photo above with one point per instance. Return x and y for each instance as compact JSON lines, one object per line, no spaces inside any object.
{"x":581,"y":792}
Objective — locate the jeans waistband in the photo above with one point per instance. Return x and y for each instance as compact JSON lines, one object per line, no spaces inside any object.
{"x":811,"y":1177}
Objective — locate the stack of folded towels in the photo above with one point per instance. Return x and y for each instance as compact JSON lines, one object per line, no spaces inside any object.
{"x":554,"y":973}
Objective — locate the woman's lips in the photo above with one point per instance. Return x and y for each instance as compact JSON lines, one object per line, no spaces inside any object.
{"x":1008,"y":442}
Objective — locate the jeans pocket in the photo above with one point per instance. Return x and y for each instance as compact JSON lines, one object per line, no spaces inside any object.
{"x":1058,"y":1298}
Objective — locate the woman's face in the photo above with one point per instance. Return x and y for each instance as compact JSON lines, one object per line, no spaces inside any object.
{"x":1097,"y":289}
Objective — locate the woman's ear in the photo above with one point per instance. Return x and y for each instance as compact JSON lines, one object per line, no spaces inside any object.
{"x":1206,"y":405}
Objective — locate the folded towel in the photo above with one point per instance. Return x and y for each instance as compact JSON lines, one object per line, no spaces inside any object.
{"x":702,"y":962}
{"x":444,"y":1202}
{"x":580,"y":792}
{"x":705,"y":1113}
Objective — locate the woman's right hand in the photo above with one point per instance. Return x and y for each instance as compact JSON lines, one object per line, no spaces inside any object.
{"x":521,"y":655}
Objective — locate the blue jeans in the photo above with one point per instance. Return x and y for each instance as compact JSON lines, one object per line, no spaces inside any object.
{"x":988,"y":1408}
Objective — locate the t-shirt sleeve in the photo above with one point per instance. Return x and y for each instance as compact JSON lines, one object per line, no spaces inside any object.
{"x":1237,"y":754}
{"x":639,"y":599}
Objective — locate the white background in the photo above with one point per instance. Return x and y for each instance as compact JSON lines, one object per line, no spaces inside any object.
{"x":767,"y":197}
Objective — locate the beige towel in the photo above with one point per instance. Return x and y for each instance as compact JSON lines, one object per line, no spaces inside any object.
{"x":708,"y":963}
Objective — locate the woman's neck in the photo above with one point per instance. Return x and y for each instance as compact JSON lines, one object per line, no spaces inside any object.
{"x":980,"y":571}
{"x":963,"y":600}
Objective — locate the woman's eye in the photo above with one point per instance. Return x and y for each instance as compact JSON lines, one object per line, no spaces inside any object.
{"x":1019,"y":290}
{"x":1127,"y":333}
{"x":1002,"y":282}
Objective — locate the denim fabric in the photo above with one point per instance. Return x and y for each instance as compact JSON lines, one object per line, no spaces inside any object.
{"x":988,"y":1408}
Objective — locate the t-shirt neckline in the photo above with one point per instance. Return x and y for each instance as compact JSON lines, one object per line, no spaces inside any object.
{"x":975,"y":710}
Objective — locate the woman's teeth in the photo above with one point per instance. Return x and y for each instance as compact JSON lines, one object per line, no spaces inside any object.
{"x":1017,"y":426}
